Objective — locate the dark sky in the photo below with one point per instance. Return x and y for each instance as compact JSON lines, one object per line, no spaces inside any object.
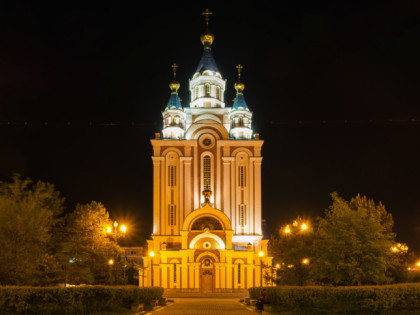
{"x":101,"y":61}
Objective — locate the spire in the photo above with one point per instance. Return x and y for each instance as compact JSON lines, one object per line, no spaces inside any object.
{"x":174,"y":102}
{"x":207,"y":61}
{"x":240,"y":103}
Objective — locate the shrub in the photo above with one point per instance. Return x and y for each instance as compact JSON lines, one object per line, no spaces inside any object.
{"x":85,"y":300}
{"x":344,"y":299}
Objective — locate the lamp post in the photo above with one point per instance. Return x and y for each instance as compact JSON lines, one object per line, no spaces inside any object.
{"x":261,"y":254}
{"x":151,"y":254}
{"x":111,"y":278}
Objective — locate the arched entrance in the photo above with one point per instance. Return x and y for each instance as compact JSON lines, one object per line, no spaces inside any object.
{"x":207,"y":275}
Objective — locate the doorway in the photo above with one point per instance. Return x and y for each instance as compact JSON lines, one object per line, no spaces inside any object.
{"x":207,"y":278}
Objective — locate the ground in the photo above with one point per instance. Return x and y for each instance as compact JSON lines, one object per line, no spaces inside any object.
{"x":200,"y":306}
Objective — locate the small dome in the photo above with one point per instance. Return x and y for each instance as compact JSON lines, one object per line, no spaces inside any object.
{"x":174,"y":86}
{"x":239,"y":87}
{"x":207,"y":38}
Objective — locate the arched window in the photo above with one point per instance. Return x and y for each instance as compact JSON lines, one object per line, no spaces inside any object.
{"x":207,"y":89}
{"x":172,"y":175}
{"x":207,"y":172}
{"x":242,"y":176}
{"x":242,"y":215}
{"x":172,"y":214}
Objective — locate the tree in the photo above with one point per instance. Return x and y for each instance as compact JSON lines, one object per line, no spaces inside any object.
{"x":292,"y":250}
{"x":86,"y":248}
{"x":353,"y":243}
{"x":28,"y":215}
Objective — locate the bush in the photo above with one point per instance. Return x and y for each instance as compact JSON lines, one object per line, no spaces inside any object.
{"x":84,"y":300}
{"x":343,"y":299}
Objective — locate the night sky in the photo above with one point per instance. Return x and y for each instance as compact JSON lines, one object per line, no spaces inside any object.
{"x":304,"y":61}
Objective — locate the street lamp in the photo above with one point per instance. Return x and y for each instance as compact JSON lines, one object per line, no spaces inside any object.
{"x":151,"y":254}
{"x":123,"y":229}
{"x":261,"y":254}
{"x":305,"y":261}
{"x":111,"y":277}
{"x":304,"y":227}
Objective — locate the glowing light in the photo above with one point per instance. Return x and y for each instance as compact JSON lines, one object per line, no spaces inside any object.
{"x":394,"y":249}
{"x":152,"y":254}
{"x":278,"y":266}
{"x":109,"y":229}
{"x":123,"y":228}
{"x":111,"y":262}
{"x":304,"y":227}
{"x":290,"y":266}
{"x":287,"y":229}
{"x":115,"y":224}
{"x":295,"y":223}
{"x":261,"y":254}
{"x":418,"y":264}
{"x":305,"y":261}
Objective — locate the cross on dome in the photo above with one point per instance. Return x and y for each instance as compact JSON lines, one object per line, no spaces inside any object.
{"x":207,"y":14}
{"x":174,"y":67}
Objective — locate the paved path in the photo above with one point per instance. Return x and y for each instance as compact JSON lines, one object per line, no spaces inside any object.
{"x":196,"y":306}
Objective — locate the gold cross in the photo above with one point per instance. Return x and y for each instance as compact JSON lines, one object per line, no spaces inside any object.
{"x":206,"y":14}
{"x":174,"y":66}
{"x":239,"y":67}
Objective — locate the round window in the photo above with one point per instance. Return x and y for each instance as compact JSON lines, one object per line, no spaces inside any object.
{"x":207,"y":142}
{"x":207,"y":245}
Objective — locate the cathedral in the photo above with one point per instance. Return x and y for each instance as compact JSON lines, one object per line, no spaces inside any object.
{"x":207,"y":234}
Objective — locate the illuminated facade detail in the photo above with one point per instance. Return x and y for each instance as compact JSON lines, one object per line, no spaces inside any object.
{"x":206,"y":190}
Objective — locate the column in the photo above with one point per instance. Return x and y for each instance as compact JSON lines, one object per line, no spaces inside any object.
{"x":196,"y":275}
{"x":156,"y":193}
{"x":181,"y":208}
{"x":226,"y":186}
{"x":217,"y":269}
{"x":187,"y":185}
{"x":184,"y":269}
{"x":257,"y":172}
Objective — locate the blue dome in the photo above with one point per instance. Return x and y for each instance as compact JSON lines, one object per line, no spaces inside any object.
{"x":240,"y":103}
{"x":174,"y":102}
{"x":207,"y":62}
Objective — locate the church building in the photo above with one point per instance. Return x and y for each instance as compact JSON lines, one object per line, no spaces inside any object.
{"x":207,"y":234}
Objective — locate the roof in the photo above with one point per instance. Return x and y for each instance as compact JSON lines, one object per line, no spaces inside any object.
{"x":207,"y":62}
{"x":174,"y":102}
{"x":240,"y":103}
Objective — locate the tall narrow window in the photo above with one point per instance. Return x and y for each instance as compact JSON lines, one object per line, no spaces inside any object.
{"x":172,"y":214}
{"x":239,"y":273}
{"x":242,"y":176}
{"x":172,"y":175}
{"x":242,"y":217}
{"x":174,"y":273}
{"x":207,"y":89}
{"x":196,"y":92}
{"x":218,"y":92}
{"x":207,"y":172}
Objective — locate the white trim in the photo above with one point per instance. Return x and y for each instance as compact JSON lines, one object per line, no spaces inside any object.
{"x":207,"y":235}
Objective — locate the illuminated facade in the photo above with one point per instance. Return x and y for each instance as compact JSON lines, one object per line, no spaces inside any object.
{"x":207,"y":233}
